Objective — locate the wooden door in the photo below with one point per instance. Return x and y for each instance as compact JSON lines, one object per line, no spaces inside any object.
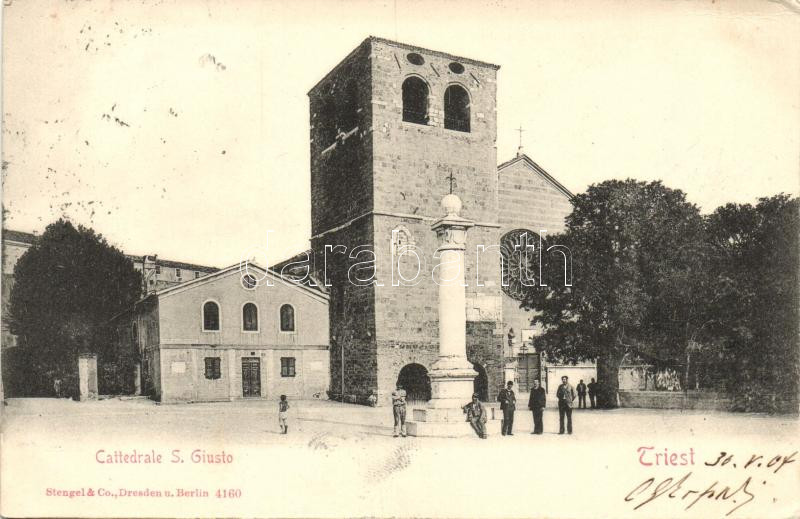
{"x":251,"y":376}
{"x":528,"y":370}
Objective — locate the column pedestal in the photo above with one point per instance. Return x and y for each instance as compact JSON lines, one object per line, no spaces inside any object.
{"x":450,"y":390}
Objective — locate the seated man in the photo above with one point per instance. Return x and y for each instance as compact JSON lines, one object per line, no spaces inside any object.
{"x":476,"y":416}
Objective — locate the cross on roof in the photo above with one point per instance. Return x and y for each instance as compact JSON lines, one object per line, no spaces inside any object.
{"x":452,"y":180}
{"x":520,"y":130}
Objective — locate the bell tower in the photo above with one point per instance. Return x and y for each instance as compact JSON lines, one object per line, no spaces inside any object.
{"x":394,"y":128}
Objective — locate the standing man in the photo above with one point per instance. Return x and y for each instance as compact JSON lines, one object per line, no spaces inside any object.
{"x":476,"y":416}
{"x":592,"y":393}
{"x":565,"y":395}
{"x":283,"y":414}
{"x":399,"y":410}
{"x":536,"y":404}
{"x":581,"y":395}
{"x":508,"y":404}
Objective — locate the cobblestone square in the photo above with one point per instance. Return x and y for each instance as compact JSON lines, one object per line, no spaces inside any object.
{"x":341,"y":460}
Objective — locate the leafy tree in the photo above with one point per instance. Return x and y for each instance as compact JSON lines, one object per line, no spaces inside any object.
{"x":755,"y":249}
{"x":67,"y":287}
{"x":638,"y":275}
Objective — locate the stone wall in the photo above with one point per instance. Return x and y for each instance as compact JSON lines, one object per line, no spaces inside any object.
{"x":529,"y":200}
{"x":695,"y":400}
{"x":351,"y":313}
{"x":341,"y":154}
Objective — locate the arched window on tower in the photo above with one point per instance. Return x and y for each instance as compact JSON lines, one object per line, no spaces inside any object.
{"x":456,"y":109}
{"x":415,"y":101}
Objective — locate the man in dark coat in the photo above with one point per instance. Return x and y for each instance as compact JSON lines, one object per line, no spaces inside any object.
{"x":508,"y":403}
{"x":566,"y":396}
{"x":592,"y":393}
{"x":476,"y":416}
{"x":536,"y":404}
{"x":581,"y":395}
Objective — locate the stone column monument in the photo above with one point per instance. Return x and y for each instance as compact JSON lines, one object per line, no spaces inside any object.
{"x":451,"y":374}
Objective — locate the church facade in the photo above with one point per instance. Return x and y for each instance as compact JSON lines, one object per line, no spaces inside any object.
{"x":394,"y":128}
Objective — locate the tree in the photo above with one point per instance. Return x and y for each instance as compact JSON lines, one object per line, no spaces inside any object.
{"x":638,"y":271}
{"x":67,"y":287}
{"x":755,"y":248}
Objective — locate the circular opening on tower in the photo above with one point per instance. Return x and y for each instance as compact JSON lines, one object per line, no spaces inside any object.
{"x":456,"y":68}
{"x":415,"y":58}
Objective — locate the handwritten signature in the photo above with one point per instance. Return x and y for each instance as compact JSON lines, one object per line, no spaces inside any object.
{"x":686,"y":490}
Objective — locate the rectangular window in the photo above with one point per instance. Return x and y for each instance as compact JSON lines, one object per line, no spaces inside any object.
{"x":178,"y":273}
{"x":196,"y":275}
{"x":158,"y":269}
{"x":287,"y":366}
{"x":213,"y":365}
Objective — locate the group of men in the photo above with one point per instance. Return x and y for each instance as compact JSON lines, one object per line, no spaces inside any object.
{"x":476,"y":412}
{"x":591,"y":389}
{"x":536,"y":403}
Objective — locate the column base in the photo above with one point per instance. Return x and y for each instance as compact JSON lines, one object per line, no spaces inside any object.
{"x":440,"y":423}
{"x":451,"y":389}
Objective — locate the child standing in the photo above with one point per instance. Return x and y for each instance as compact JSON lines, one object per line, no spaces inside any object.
{"x":283,"y":409}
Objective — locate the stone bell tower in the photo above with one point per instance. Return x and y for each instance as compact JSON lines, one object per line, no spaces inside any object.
{"x":394,"y":128}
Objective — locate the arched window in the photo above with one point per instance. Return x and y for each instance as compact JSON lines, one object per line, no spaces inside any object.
{"x":287,"y":318}
{"x":456,"y":109}
{"x":401,"y":239}
{"x":250,"y":317}
{"x":210,"y":316}
{"x":415,"y":101}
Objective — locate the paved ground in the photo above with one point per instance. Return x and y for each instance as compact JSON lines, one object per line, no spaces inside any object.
{"x":341,"y":460}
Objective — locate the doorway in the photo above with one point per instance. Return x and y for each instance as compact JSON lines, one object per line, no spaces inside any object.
{"x":414,"y":379}
{"x":251,"y":377}
{"x":481,"y":383}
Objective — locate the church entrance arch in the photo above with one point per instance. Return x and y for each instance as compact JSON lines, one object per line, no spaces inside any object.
{"x":414,"y":379}
{"x":481,"y":383}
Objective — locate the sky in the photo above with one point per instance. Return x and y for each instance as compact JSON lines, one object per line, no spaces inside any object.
{"x":181,"y":128}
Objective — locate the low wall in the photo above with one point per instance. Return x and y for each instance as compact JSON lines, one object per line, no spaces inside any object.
{"x":701,"y":400}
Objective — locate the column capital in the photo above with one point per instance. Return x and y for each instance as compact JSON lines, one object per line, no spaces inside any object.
{"x":451,"y":232}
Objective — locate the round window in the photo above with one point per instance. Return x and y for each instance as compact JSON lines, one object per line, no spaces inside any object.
{"x":249,"y":281}
{"x":518,"y":266}
{"x":415,"y":59}
{"x":456,"y":68}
